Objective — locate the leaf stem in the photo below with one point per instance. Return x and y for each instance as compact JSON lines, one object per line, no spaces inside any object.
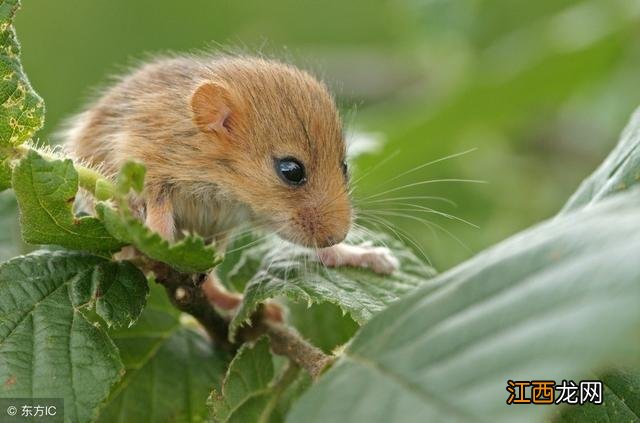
{"x":287,"y":342}
{"x":94,"y":182}
{"x":286,"y":379}
{"x":186,"y":294}
{"x":88,"y":179}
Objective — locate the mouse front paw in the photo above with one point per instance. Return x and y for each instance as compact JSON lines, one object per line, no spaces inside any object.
{"x":379,"y":259}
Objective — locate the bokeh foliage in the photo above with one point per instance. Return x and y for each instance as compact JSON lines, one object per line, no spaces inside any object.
{"x":535,"y":87}
{"x":540,"y":88}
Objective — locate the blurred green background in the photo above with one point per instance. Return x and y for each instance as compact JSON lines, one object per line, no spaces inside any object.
{"x":541,"y":89}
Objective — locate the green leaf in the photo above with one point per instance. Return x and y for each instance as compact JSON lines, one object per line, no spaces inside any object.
{"x":619,"y":171}
{"x":5,"y":174}
{"x":324,"y":324}
{"x":116,"y":290}
{"x":11,"y":243}
{"x":190,"y":254}
{"x":48,"y":348}
{"x":290,"y":395}
{"x":251,"y":391}
{"x":621,"y":400}
{"x":292,"y":271}
{"x":242,"y":260}
{"x":551,"y":302}
{"x":131,"y":176}
{"x":245,"y":389}
{"x":46,"y":191}
{"x":22,"y":111}
{"x":170,"y":368}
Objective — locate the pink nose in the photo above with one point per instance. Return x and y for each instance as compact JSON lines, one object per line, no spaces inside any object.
{"x":323,"y":229}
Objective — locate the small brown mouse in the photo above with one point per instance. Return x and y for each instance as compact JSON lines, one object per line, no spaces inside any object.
{"x":226,"y":140}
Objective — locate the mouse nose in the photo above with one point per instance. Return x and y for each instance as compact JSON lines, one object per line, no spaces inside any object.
{"x":316,"y":230}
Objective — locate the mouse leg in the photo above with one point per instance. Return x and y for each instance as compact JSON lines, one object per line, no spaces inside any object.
{"x":379,"y":259}
{"x":228,"y":302}
{"x":218,"y":295}
{"x":160,"y":219}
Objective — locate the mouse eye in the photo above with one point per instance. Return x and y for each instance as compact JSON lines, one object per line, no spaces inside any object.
{"x":291,"y":171}
{"x":345,"y":170}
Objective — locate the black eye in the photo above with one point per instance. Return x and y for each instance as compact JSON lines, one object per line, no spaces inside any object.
{"x":291,"y":171}
{"x":345,"y":170}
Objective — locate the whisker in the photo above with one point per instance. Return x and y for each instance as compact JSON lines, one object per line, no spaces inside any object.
{"x":376,"y":166}
{"x":418,"y":208}
{"x":415,"y":197}
{"x":429,"y":181}
{"x":248,"y":227}
{"x":376,"y":220}
{"x":333,"y":211}
{"x":422,"y":166}
{"x":430,"y":223}
{"x":254,"y":242}
{"x":426,"y":222}
{"x":372,"y":235}
{"x":274,"y":259}
{"x":343,"y":191}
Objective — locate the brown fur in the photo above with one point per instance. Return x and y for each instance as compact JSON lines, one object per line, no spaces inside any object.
{"x":208,"y":130}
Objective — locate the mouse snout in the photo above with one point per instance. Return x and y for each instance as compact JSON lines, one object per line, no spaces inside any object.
{"x":322,"y":227}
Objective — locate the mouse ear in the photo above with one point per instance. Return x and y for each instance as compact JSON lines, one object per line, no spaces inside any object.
{"x":211,"y":108}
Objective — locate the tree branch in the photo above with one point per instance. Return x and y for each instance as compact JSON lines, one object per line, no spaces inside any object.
{"x":186,"y":293}
{"x":287,"y":342}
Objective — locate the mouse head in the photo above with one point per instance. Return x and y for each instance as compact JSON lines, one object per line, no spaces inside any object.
{"x":274,"y":139}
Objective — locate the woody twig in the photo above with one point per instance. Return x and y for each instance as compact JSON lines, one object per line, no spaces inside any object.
{"x":186,"y":294}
